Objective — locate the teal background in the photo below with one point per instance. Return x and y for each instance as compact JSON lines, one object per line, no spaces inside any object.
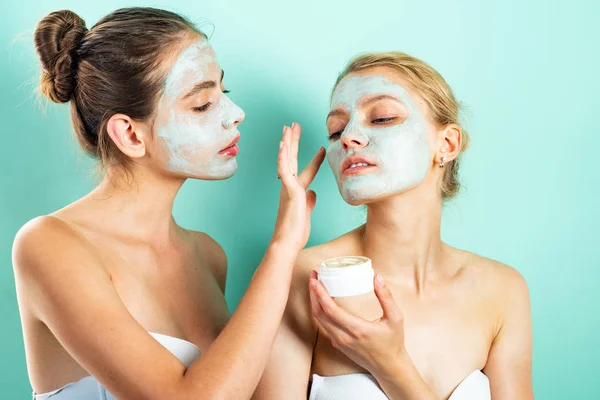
{"x":527,"y":72}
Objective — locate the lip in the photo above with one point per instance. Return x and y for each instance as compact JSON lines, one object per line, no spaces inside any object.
{"x":345,"y":170}
{"x":232,"y":148}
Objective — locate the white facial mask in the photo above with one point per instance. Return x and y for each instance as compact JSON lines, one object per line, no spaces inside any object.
{"x":401,"y":152}
{"x":191,"y":139}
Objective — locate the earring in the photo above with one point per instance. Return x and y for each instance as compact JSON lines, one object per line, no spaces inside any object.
{"x":443,"y":161}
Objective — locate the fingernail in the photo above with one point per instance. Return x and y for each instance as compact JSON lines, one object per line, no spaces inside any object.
{"x":379,"y":280}
{"x":313,"y":283}
{"x":280,"y":145}
{"x":293,"y":125}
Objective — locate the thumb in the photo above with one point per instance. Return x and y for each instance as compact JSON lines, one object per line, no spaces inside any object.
{"x":391,"y":311}
{"x":311,"y":201}
{"x":308,"y":174}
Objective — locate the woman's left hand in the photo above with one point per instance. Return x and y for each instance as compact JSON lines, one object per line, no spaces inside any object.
{"x":373,"y":345}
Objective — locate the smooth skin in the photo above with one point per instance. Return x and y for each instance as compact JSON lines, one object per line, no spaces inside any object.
{"x":439,"y":312}
{"x":93,"y":278}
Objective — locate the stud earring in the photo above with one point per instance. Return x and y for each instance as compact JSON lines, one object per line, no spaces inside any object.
{"x":443,"y":161}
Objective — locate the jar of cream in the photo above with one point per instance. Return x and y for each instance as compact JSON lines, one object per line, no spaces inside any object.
{"x":349,"y":280}
{"x":347,"y":276}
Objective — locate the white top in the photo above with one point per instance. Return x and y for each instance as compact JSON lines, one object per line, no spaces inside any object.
{"x":89,"y":388}
{"x":476,"y":386}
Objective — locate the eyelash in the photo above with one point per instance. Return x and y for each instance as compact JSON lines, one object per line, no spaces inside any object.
{"x":375,"y":121}
{"x":338,"y":134}
{"x":207,"y":105}
{"x":383,"y":120}
{"x":202,"y":108}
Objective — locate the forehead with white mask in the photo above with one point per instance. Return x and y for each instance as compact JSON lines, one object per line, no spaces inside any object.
{"x":196,"y":124}
{"x":378,"y":138}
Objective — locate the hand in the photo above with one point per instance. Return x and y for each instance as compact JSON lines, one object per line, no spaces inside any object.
{"x":295,"y":201}
{"x":374,"y":345}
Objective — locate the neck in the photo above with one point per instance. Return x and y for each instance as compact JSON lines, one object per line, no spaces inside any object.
{"x":140,"y":205}
{"x":402,"y":237}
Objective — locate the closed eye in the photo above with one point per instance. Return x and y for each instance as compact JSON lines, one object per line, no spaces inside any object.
{"x":335,"y":135}
{"x":202,"y":108}
{"x":383,"y":120}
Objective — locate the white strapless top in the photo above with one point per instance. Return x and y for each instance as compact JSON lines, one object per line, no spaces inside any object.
{"x":89,"y":388}
{"x":476,"y":386}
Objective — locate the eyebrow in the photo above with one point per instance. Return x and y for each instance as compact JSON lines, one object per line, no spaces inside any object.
{"x":203,"y":85}
{"x":381,"y":97}
{"x":335,"y":113}
{"x":338,"y":112}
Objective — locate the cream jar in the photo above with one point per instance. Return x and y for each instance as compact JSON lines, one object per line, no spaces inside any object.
{"x":347,"y":276}
{"x":349,"y":280}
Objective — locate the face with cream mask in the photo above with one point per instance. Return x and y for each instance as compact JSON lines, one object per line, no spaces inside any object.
{"x":379,"y":139}
{"x":196,"y":123}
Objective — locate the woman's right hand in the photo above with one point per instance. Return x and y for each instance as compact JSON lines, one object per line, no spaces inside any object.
{"x":295,"y":201}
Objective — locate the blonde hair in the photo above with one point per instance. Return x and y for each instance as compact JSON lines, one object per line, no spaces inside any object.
{"x":443,"y":106}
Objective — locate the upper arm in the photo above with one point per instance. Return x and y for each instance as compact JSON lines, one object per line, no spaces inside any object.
{"x":509,"y":361}
{"x":68,"y":289}
{"x":213,"y":253}
{"x":288,"y":370}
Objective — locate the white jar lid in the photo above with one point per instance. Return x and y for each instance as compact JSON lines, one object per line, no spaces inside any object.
{"x":347,"y":276}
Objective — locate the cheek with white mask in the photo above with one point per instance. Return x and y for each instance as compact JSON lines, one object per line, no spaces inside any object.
{"x":400,"y":152}
{"x":197,"y":144}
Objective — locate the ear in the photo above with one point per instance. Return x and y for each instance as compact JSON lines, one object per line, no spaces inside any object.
{"x":449,"y":143}
{"x":127,"y":134}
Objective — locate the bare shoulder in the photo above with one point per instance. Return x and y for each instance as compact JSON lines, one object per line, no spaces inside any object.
{"x":310,"y":258}
{"x":212,"y":253}
{"x":501,"y":283}
{"x":47,"y":237}
{"x":298,"y":310}
{"x":502,"y":277}
{"x":50,"y":255}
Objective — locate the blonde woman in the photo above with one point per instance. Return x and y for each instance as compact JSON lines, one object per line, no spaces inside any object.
{"x":442,"y":322}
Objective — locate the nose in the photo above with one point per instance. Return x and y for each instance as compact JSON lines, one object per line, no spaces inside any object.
{"x":234,"y":121}
{"x":236,"y":116}
{"x":353,"y":140}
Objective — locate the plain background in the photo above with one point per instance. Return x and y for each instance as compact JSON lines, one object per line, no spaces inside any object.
{"x":527,"y":72}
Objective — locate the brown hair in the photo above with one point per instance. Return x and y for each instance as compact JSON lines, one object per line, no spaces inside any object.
{"x":112,"y":68}
{"x":443,"y":106}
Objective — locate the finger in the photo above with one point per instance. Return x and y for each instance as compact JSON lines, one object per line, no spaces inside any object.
{"x":335,"y":313}
{"x":295,"y":144}
{"x":391,"y":311}
{"x":287,"y":133}
{"x":329,"y":326}
{"x":309,"y":173}
{"x":315,"y":306}
{"x":290,"y":139}
{"x":311,"y":201}
{"x":283,"y":169}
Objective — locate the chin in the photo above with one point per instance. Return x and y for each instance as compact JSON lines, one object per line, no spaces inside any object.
{"x":355,"y":201}
{"x":215,"y":177}
{"x":360,"y":198}
{"x":204,"y":175}
{"x":355,"y":197}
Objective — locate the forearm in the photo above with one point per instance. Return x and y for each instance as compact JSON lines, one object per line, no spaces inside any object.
{"x":402,"y":381}
{"x":287,"y":372}
{"x":233,"y":365}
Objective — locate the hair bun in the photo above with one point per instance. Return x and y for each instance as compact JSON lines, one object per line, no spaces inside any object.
{"x":57,"y":38}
